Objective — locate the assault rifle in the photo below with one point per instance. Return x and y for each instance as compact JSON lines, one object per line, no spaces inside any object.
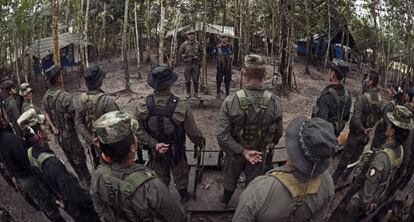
{"x":94,"y":155}
{"x":357,"y":184}
{"x":198,"y":174}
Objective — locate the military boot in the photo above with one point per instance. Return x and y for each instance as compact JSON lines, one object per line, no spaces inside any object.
{"x":184,"y":195}
{"x":227,"y":86}
{"x":196,"y":91}
{"x":226,"y":198}
{"x":218,"y":90}
{"x":188,"y":87}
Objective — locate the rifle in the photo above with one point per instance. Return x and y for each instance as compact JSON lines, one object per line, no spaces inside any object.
{"x":93,"y":154}
{"x":357,"y":184}
{"x":199,"y":156}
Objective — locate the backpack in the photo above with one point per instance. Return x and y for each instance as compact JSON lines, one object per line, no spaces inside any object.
{"x":115,"y":186}
{"x":38,"y":162}
{"x":90,"y":107}
{"x":61,"y":120}
{"x":255,"y":134}
{"x":375,"y":109}
{"x":161,"y":126}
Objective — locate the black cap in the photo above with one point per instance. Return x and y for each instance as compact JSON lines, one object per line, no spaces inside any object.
{"x":94,"y":73}
{"x":339,"y":67}
{"x":8,"y":84}
{"x":52,"y":72}
{"x":161,"y":77}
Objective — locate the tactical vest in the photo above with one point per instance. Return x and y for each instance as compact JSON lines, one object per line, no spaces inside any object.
{"x":191,"y":52}
{"x":297,"y":190}
{"x":124,"y":189}
{"x":255,"y":134}
{"x":58,"y":115}
{"x":375,"y":110}
{"x":161,"y":126}
{"x":90,"y":105}
{"x":341,"y":101}
{"x":221,"y":58}
{"x":38,"y":162}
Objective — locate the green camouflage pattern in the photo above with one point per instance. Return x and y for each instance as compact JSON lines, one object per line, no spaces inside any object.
{"x":401,"y":117}
{"x":114,"y":126}
{"x":24,"y":89}
{"x":30,"y":118}
{"x":254,"y":61}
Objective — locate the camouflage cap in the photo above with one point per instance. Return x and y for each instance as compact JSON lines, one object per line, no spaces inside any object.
{"x":401,"y":117}
{"x":254,"y":61}
{"x":24,"y":89}
{"x":30,"y":118}
{"x":114,"y":126}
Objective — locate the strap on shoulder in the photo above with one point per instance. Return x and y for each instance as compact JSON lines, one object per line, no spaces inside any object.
{"x":296,"y":188}
{"x":150,"y":104}
{"x":395,"y":162}
{"x":243,"y":101}
{"x":171,"y":105}
{"x":265,"y":100}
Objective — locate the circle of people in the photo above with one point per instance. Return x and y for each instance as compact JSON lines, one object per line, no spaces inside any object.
{"x":249,"y":125}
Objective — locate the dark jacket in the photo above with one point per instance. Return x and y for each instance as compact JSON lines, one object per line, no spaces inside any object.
{"x":328,"y":106}
{"x":14,"y":154}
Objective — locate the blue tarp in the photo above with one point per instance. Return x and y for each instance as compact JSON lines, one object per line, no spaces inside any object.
{"x":66,"y":58}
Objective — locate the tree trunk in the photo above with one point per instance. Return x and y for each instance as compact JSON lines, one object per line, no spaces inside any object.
{"x":161,"y":34}
{"x":125,"y":47}
{"x":286,"y":26}
{"x":329,"y":33}
{"x":85,"y":33}
{"x":174,"y":39}
{"x":204,"y":80}
{"x":55,"y":32}
{"x":148,"y":25}
{"x":308,"y":38}
{"x":137,"y":41}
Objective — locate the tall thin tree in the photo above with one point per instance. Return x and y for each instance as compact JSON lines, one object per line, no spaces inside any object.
{"x":125,"y":47}
{"x":55,"y":32}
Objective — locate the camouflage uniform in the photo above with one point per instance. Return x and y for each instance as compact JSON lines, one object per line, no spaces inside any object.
{"x":224,"y":59}
{"x":90,"y":106}
{"x":191,"y":54}
{"x":146,"y":199}
{"x":249,"y":119}
{"x":367,"y":112}
{"x":379,"y":134}
{"x":301,"y":191}
{"x":24,"y":90}
{"x":12,"y":108}
{"x":77,"y":202}
{"x":58,"y":105}
{"x":381,"y":171}
{"x":178,"y":121}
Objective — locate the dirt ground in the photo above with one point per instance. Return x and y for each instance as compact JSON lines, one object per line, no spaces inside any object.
{"x":299,"y":102}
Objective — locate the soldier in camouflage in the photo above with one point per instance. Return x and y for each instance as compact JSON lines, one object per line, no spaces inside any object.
{"x":167,"y":120}
{"x":224,"y":56}
{"x":382,"y":168}
{"x":122,"y":190}
{"x":11,"y":106}
{"x":26,"y":92}
{"x":71,"y":197}
{"x":90,"y":106}
{"x":302,"y":189}
{"x":60,"y":114}
{"x":191,"y":53}
{"x":249,"y":121}
{"x":367,"y":112}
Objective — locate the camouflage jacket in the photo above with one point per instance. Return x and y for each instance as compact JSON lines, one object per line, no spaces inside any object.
{"x":13,"y":113}
{"x":104,"y":104}
{"x":367,"y":111}
{"x":182,"y":115}
{"x":151,"y":197}
{"x":232,"y":119}
{"x":274,"y":202}
{"x":191,"y":51}
{"x":58,"y":104}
